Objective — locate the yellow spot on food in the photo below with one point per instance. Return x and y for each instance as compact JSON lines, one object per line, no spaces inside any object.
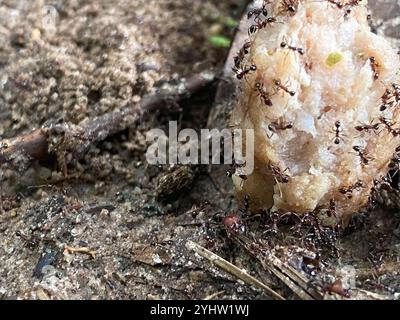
{"x":269,"y":52}
{"x":333,"y":58}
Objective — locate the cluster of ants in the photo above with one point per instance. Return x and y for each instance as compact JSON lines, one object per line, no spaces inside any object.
{"x":390,"y":99}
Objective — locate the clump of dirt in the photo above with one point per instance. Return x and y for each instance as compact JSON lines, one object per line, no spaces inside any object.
{"x":97,"y":55}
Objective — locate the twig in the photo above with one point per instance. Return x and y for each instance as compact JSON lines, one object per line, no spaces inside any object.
{"x":63,"y":139}
{"x":84,"y":250}
{"x":232,"y":269}
{"x":214,"y":295}
{"x":298,"y":283}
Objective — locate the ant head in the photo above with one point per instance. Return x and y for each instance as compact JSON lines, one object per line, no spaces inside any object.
{"x":337,"y":124}
{"x":253,"y":67}
{"x":292,"y":93}
{"x":283,"y":44}
{"x":277,"y":82}
{"x":357,"y":148}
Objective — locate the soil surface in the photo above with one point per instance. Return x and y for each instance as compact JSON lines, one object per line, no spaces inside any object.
{"x":130,"y":220}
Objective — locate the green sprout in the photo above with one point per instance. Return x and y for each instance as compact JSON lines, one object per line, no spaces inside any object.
{"x":220,"y":41}
{"x":229,"y":22}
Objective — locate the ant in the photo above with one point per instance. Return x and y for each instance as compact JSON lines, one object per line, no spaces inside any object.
{"x":242,"y":71}
{"x":258,"y":11}
{"x":338,"y":4}
{"x":385,"y":100}
{"x":350,"y":4}
{"x":338,"y":129}
{"x":289,"y":6}
{"x":238,"y":59}
{"x":374,"y":66}
{"x":278,"y":174}
{"x":260,"y":25}
{"x":396,"y":91}
{"x":361,"y":153}
{"x":295,"y":49}
{"x":332,"y":208}
{"x":280,"y":86}
{"x":367,"y":127}
{"x":31,"y":244}
{"x":233,"y":170}
{"x":395,"y":164}
{"x":279,"y":125}
{"x":389,"y":126}
{"x":263,"y":93}
{"x":347,"y":191}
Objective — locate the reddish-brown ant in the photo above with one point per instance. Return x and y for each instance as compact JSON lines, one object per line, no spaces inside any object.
{"x":347,"y":191}
{"x":338,"y":4}
{"x":391,"y":97}
{"x":280,"y":86}
{"x":385,"y":100}
{"x":289,"y":6}
{"x":278,"y":174}
{"x":361,"y":153}
{"x":389,"y":126}
{"x":279,"y":126}
{"x":338,"y":129}
{"x":238,"y":59}
{"x":374,"y":66}
{"x":260,"y":25}
{"x":396,"y":91}
{"x":350,"y":4}
{"x":367,"y":127}
{"x":395,"y":164}
{"x":234,"y":170}
{"x":31,"y":244}
{"x":242,"y":71}
{"x":295,"y":49}
{"x":332,"y":208}
{"x":258,"y":11}
{"x":263,"y":93}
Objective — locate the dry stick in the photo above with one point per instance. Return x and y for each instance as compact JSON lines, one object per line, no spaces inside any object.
{"x":76,"y":139}
{"x":232,"y":269}
{"x":287,"y":274}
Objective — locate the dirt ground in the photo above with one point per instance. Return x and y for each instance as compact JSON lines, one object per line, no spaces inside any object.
{"x":101,"y":56}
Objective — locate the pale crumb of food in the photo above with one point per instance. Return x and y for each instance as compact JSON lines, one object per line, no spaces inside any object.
{"x":339,"y":83}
